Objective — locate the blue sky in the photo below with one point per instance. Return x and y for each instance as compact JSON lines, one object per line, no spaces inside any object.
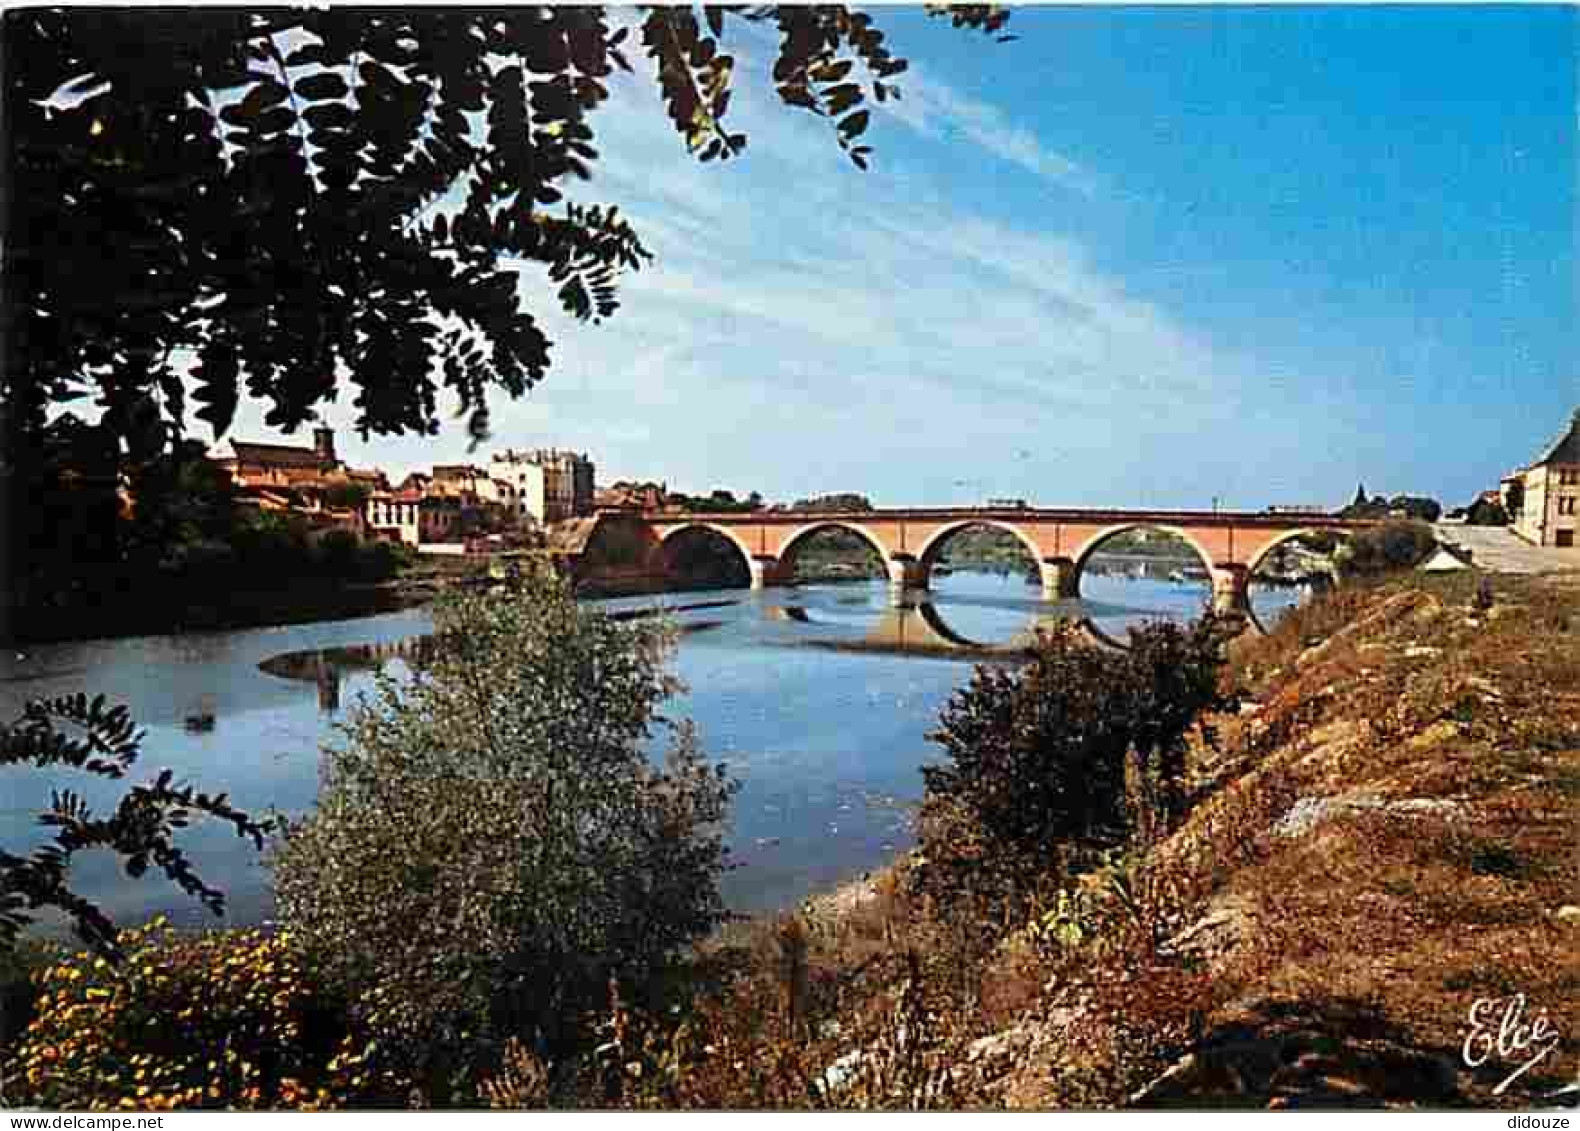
{"x":1137,"y":257}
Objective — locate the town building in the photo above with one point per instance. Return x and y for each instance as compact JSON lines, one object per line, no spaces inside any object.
{"x":439,"y":519}
{"x":394,"y":516}
{"x":1543,"y":498}
{"x":624,"y":496}
{"x":315,"y":469}
{"x":451,"y":504}
{"x":310,"y":482}
{"x":465,"y":481}
{"x":549,"y":485}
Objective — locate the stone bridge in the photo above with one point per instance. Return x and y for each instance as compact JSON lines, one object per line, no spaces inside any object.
{"x":910,"y":542}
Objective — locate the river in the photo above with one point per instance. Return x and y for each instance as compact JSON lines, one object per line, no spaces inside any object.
{"x":819,"y":698}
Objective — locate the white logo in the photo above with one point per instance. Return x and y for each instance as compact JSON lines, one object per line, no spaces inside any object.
{"x":1502,"y":1027}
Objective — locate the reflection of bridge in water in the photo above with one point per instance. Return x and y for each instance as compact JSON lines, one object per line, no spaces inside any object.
{"x":326,"y":667}
{"x":920,"y":627}
{"x":911,"y":624}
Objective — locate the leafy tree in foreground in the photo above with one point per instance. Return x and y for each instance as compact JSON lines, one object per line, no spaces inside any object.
{"x":492,"y":844}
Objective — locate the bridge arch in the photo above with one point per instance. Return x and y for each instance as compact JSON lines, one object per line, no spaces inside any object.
{"x":1084,"y":554}
{"x":1256,"y":624}
{"x":1089,"y":548}
{"x":933,"y":548}
{"x":792,"y":545}
{"x":667,"y":542}
{"x":1289,"y":536}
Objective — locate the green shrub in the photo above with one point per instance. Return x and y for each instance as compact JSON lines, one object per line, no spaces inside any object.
{"x":1039,"y":757}
{"x":20,"y":964}
{"x":1484,"y":513}
{"x":224,"y":1019}
{"x":1388,"y":547}
{"x":491,"y":843}
{"x":269,"y":546}
{"x":203,"y":559}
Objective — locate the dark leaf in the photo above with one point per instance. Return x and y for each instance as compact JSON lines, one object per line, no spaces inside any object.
{"x":260,"y":98}
{"x":331,"y":115}
{"x":853,"y":125}
{"x":841,"y":98}
{"x":324,"y":85}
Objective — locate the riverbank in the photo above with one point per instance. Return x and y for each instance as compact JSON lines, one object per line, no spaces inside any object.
{"x":112,"y":612}
{"x":109,"y":616}
{"x":1381,"y":839}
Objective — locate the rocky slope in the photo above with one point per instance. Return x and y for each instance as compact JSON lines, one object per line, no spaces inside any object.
{"x":1379,"y":869}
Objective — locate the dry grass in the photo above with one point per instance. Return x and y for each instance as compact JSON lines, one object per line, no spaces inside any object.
{"x":1436,"y":747}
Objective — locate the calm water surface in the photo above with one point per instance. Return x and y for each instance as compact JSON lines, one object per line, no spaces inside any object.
{"x":819,"y":698}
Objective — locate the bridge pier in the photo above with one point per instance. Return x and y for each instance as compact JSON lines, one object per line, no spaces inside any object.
{"x":765,"y":571}
{"x":906,"y":572}
{"x":1231,"y":589}
{"x":1060,"y":582}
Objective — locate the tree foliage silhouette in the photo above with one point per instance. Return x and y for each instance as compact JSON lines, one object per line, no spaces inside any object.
{"x":308,"y":199}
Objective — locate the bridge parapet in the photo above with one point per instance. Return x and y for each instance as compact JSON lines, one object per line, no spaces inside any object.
{"x":1105,"y":516}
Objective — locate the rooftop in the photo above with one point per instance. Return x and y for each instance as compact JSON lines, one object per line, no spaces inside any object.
{"x":283,"y":455}
{"x":1566,"y":448}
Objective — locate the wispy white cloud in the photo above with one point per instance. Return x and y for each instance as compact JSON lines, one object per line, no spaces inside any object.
{"x":940,"y":112}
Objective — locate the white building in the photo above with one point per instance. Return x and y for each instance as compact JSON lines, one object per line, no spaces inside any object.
{"x":1543,"y":499}
{"x":394,"y":516}
{"x":549,"y":485}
